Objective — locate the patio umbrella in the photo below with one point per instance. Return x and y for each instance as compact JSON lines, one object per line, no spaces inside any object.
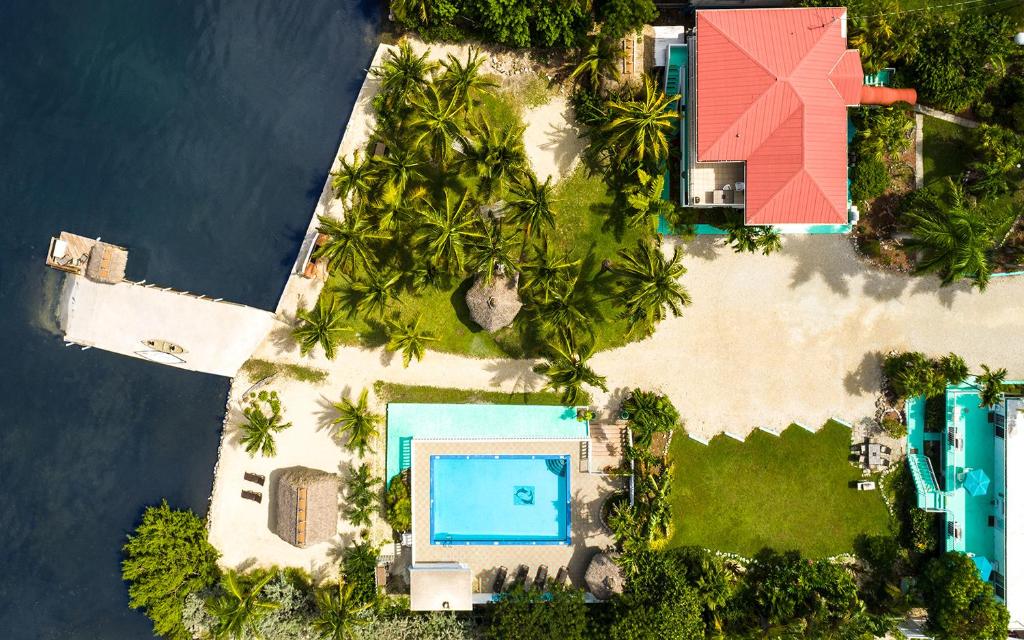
{"x":976,"y":482}
{"x":984,"y":566}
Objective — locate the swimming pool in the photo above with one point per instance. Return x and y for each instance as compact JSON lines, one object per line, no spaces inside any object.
{"x":408,"y":421}
{"x":499,"y":499}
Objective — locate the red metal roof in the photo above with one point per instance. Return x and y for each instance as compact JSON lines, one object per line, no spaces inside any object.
{"x":772,"y":90}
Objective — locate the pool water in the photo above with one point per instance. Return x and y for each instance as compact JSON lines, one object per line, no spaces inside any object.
{"x":500,"y":499}
{"x":474,"y":421}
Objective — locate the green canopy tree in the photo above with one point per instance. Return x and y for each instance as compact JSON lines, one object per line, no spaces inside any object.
{"x":409,"y":338}
{"x":403,"y":75}
{"x":373,"y":290}
{"x":323,"y":326}
{"x":496,"y":156}
{"x":353,"y":177}
{"x":531,"y":205}
{"x":461,"y":80}
{"x":567,"y":369}
{"x":553,"y":612}
{"x":348,"y":241}
{"x":341,"y":615}
{"x":599,"y":62}
{"x":638,"y":129}
{"x":356,"y":423}
{"x":960,"y":604}
{"x":445,"y":233}
{"x":648,"y":284}
{"x":437,"y":119}
{"x":992,"y":387}
{"x":239,"y":608}
{"x":166,"y":559}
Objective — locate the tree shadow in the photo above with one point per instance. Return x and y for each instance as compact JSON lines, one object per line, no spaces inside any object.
{"x":867,"y":377}
{"x":703,"y":247}
{"x":826,"y":256}
{"x":327,"y":412}
{"x":519,"y":373}
{"x":458,"y":300}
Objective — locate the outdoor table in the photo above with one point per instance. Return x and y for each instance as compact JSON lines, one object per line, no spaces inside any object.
{"x":874,"y":454}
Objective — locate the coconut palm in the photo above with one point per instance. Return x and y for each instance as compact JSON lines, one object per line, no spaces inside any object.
{"x":545,"y":271}
{"x":954,"y":239}
{"x":887,"y":130}
{"x":992,"y":386}
{"x":374,"y":290}
{"x":399,"y":171}
{"x":638,"y":130}
{"x":437,"y":121}
{"x":412,"y":11}
{"x":496,"y":156}
{"x":402,"y":75}
{"x":409,"y":338}
{"x":341,"y":613}
{"x":462,"y":80}
{"x":568,"y":307}
{"x":531,"y":207}
{"x":259,"y":428}
{"x":954,"y":369}
{"x":322,"y":326}
{"x":362,"y":496}
{"x":348,"y":240}
{"x":566,"y":367}
{"x":357,"y":423}
{"x":352,"y":177}
{"x":599,"y":62}
{"x":445,"y":233}
{"x":238,"y":610}
{"x":649,"y":283}
{"x":491,"y":252}
{"x":752,"y":238}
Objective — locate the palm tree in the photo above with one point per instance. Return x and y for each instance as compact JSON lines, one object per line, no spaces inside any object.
{"x":374,"y":290}
{"x":438,"y":121}
{"x":992,"y":385}
{"x":411,"y":11}
{"x":649,"y":283}
{"x":495,"y":156}
{"x":321,"y":326}
{"x":352,"y":177}
{"x":357,"y":421}
{"x":568,"y":307}
{"x":348,"y":240}
{"x":402,"y":75}
{"x":545,"y":272}
{"x":953,"y":238}
{"x":259,"y":428}
{"x":399,"y":171}
{"x":752,"y":238}
{"x":409,"y":338}
{"x":362,"y":495}
{"x":491,"y":252}
{"x":531,"y":208}
{"x":887,"y":130}
{"x":340,"y":613}
{"x":238,"y":610}
{"x":954,"y":369}
{"x":638,"y":130}
{"x":599,"y":62}
{"x":445,"y":233}
{"x":462,"y":80}
{"x":566,"y":367}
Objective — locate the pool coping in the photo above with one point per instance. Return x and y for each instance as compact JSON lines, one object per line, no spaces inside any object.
{"x":565,"y":540}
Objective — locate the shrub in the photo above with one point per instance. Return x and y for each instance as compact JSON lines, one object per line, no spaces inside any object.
{"x":960,"y":604}
{"x":894,"y":427}
{"x":649,"y":413}
{"x":913,"y":374}
{"x":522,"y":614}
{"x":359,"y":569}
{"x":619,"y":17}
{"x":870,"y":179}
{"x":398,"y":502}
{"x":166,"y":560}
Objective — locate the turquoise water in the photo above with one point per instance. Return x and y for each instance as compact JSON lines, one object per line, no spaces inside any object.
{"x":499,"y":500}
{"x":474,"y":421}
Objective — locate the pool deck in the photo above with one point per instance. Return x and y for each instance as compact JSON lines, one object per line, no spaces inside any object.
{"x":588,"y":535}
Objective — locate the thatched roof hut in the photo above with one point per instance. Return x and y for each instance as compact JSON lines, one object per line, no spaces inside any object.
{"x":306,"y":502}
{"x":495,"y":305}
{"x":604,"y":577}
{"x":106,"y":263}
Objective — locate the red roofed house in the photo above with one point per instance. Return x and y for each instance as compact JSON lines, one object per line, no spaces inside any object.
{"x":767,"y":113}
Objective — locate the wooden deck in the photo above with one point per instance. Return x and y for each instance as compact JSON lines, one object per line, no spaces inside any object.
{"x":76,"y":252}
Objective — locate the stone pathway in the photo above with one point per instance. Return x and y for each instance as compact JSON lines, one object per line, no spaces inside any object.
{"x":948,"y":117}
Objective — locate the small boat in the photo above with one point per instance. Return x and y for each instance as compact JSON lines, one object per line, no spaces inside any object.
{"x":164,"y":346}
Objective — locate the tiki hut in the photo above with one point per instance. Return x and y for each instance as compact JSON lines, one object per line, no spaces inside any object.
{"x":604,"y":577}
{"x":494,"y":305}
{"x":306,"y":502}
{"x":106,"y":263}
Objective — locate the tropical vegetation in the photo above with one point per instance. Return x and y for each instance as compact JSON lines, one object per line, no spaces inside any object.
{"x":263,"y":418}
{"x":357,"y":425}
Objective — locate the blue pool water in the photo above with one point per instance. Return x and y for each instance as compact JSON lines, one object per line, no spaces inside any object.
{"x":474,"y":421}
{"x":499,"y":500}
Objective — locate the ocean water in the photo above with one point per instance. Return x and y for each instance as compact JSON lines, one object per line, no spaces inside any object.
{"x":199,"y":136}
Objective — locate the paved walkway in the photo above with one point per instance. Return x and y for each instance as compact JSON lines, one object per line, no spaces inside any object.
{"x":918,"y":150}
{"x":796,"y":336}
{"x":948,"y":117}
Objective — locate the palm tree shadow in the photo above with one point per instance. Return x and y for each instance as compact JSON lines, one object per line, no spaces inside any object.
{"x":519,"y":373}
{"x":866,"y":378}
{"x":281,"y":334}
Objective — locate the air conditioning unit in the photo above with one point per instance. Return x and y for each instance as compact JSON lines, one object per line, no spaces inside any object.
{"x":696,"y":199}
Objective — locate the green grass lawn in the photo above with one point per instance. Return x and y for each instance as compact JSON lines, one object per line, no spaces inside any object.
{"x":390,"y":392}
{"x":787,"y":492}
{"x":946,"y":149}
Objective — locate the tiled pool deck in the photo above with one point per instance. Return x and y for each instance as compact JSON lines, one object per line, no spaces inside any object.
{"x":588,"y":535}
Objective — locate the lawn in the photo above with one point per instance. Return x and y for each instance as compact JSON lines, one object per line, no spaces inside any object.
{"x":946,"y":149}
{"x":389,"y":392}
{"x":787,"y":492}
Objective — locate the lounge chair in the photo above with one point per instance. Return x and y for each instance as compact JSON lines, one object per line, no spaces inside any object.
{"x":499,"y":580}
{"x":255,"y":496}
{"x":522,"y":572}
{"x":886,"y":450}
{"x":562,"y":578}
{"x":254,"y":478}
{"x":541,"y":580}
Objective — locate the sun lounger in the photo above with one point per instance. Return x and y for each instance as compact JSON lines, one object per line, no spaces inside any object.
{"x":254,"y":478}
{"x":541,"y":580}
{"x":886,"y":450}
{"x":521,"y":574}
{"x":255,"y":496}
{"x":499,"y":580}
{"x":562,"y":578}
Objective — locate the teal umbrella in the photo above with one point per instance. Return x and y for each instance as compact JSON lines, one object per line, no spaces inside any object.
{"x":984,"y":566}
{"x":976,"y":482}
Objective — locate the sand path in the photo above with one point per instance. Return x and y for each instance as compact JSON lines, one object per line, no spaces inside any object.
{"x":553,"y":143}
{"x":768,"y":340}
